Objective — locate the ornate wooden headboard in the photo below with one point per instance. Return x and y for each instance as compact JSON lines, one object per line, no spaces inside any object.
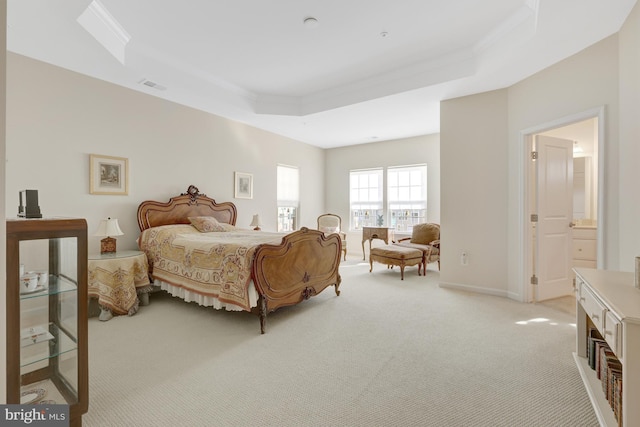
{"x":178,"y":210}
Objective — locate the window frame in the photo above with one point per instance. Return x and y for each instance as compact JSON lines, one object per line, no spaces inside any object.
{"x":415,"y":208}
{"x":367,"y":210}
{"x":380,"y":211}
{"x":287,"y":220}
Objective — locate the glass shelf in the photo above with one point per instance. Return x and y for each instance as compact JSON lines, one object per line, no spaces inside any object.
{"x":60,"y":344}
{"x":57,"y":285}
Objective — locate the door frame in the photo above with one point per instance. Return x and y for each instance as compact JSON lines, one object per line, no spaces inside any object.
{"x":526,"y":248}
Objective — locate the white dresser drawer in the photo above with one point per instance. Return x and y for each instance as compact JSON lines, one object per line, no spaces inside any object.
{"x":612,"y":333}
{"x":585,"y":233}
{"x":584,"y":249}
{"x":593,"y":307}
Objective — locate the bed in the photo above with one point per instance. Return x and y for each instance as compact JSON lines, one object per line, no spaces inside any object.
{"x":196,"y":252}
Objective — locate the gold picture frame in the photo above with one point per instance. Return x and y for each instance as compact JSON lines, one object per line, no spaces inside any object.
{"x":108,"y":175}
{"x":243,"y":185}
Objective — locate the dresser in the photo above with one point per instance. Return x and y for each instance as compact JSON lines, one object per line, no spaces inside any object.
{"x":584,"y":247}
{"x":609,"y":302}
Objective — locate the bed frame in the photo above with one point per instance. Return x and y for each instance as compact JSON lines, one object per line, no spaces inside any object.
{"x":301,"y":266}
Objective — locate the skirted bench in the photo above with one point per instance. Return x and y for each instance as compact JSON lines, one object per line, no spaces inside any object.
{"x":396,"y":255}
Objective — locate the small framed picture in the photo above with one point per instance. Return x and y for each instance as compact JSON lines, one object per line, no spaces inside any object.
{"x":243,"y":185}
{"x":108,"y":175}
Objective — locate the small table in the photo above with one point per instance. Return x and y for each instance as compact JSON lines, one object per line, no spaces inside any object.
{"x":370,"y":233}
{"x":116,"y":279}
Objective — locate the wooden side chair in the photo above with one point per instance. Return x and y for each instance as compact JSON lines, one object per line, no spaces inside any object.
{"x":331,"y":223}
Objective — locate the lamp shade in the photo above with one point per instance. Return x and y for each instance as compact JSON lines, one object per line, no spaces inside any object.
{"x":108,"y":227}
{"x":255,"y":222}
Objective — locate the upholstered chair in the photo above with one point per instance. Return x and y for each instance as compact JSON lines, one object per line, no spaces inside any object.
{"x":332,"y":223}
{"x":426,"y":237}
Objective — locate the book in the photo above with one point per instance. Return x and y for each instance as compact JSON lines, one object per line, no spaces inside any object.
{"x":593,"y":333}
{"x":33,"y":335}
{"x":592,"y":355}
{"x":600,"y":346}
{"x":614,"y":374}
{"x":612,"y":365}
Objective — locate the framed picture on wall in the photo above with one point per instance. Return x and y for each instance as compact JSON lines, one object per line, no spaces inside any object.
{"x":108,"y":175}
{"x":243,"y":185}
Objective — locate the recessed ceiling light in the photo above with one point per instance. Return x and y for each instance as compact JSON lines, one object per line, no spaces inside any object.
{"x":310,"y":22}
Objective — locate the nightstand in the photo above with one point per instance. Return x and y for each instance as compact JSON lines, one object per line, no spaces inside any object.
{"x":116,"y":279}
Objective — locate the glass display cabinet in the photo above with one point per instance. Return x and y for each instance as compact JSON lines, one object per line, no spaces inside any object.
{"x":47,"y":353}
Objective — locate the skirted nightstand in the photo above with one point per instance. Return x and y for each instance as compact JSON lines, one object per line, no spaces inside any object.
{"x":116,"y":279}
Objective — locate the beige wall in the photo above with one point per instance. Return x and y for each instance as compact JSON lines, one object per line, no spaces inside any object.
{"x":603,"y":75}
{"x":474,"y":185}
{"x":629,"y":119}
{"x":408,"y":151}
{"x":56,"y":118}
{"x":580,"y":83}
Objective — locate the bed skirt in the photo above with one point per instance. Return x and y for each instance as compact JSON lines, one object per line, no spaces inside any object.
{"x":206,"y":300}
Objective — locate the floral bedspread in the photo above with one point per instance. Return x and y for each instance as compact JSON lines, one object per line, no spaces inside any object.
{"x":216,"y":264}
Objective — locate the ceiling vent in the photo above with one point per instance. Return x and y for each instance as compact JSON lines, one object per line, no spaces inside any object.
{"x":152,"y":84}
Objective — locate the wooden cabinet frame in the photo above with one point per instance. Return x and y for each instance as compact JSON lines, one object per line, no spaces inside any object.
{"x":52,"y":229}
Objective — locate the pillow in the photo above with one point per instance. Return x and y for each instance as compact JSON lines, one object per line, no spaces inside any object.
{"x":227,"y":227}
{"x":424,"y":234}
{"x":206,"y":224}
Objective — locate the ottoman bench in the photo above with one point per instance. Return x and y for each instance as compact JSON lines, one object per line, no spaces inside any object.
{"x":396,"y":255}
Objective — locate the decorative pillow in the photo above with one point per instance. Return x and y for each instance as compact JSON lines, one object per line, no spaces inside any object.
{"x":424,"y":234}
{"x":206,"y":224}
{"x":227,"y":227}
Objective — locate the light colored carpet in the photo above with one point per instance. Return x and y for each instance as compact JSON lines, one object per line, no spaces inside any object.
{"x":385,"y":352}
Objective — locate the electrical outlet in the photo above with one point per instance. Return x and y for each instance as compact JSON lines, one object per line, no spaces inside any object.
{"x":464,"y":258}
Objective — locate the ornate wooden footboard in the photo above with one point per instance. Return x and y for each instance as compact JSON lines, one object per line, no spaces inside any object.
{"x":303,"y":265}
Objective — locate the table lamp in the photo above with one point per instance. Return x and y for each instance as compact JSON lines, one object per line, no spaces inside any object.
{"x":107,"y":228}
{"x":255,"y":222}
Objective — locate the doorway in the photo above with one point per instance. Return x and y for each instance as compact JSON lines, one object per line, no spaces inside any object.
{"x":557,"y":240}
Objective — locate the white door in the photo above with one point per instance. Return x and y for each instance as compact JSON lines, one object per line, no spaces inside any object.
{"x":554,"y":200}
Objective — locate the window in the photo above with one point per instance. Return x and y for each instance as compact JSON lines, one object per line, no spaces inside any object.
{"x":366,"y":198}
{"x":406,"y":196}
{"x":399,"y":204}
{"x":288,"y":197}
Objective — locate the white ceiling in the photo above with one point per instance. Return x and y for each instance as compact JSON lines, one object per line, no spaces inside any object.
{"x":371,"y":70}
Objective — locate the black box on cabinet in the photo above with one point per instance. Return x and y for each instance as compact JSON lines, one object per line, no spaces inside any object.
{"x":30,"y":209}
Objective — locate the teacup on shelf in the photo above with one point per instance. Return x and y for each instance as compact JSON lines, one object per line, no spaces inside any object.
{"x":28,"y":282}
{"x":43,"y":277}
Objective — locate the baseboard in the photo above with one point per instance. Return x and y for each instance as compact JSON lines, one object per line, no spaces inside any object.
{"x":475,"y":289}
